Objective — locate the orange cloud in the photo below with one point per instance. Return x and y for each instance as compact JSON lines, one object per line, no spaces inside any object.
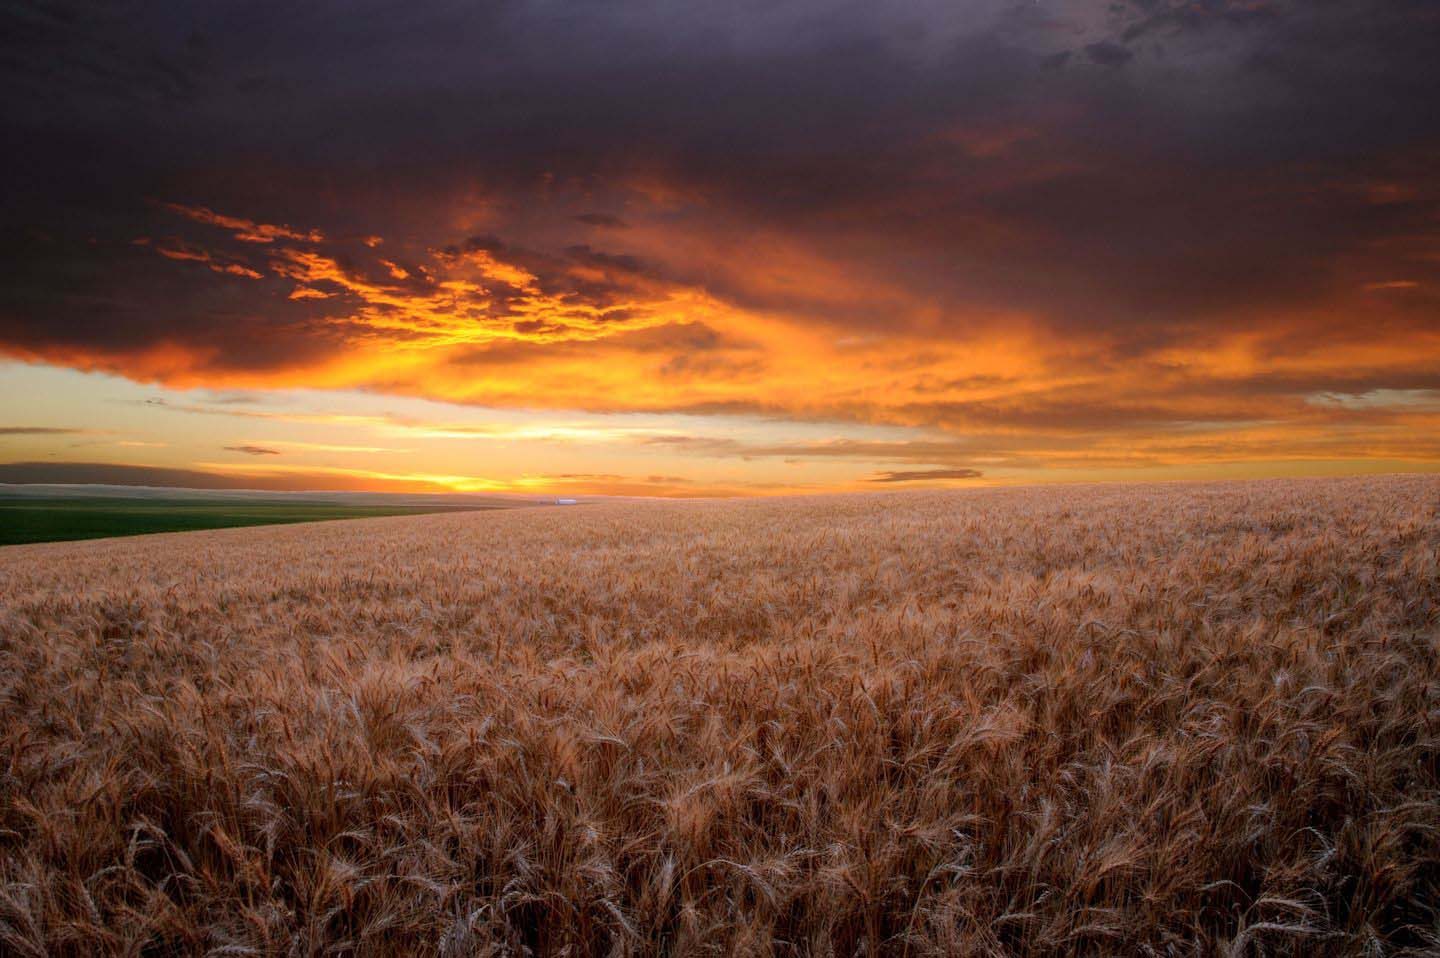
{"x":777,"y":328}
{"x":247,"y":231}
{"x":190,"y":254}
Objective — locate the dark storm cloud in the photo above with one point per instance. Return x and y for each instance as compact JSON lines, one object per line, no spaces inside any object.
{"x":623,"y":263}
{"x":1130,"y":176}
{"x":604,"y":220}
{"x":66,"y":295}
{"x":1150,"y":17}
{"x":1109,"y":54}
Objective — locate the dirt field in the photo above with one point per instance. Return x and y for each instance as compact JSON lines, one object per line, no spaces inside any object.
{"x":1070,"y":720}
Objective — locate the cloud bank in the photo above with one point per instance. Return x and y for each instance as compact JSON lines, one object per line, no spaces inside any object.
{"x":1058,"y":233}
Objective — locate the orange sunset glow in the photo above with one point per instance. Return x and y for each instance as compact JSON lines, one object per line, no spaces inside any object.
{"x":923,"y":245}
{"x":795,"y":479}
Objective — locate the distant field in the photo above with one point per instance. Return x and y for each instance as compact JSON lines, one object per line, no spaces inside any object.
{"x":35,"y":519}
{"x":1112,"y":720}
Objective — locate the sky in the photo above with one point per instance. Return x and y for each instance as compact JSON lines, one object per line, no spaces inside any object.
{"x":739,"y":248}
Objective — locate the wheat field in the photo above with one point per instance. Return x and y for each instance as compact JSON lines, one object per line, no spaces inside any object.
{"x":1082,"y":720}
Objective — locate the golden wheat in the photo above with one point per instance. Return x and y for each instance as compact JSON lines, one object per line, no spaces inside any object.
{"x":1167,"y":720}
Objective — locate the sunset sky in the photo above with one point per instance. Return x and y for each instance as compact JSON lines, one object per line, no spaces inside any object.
{"x":718,"y":248}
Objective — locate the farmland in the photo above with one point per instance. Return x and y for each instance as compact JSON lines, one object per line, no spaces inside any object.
{"x":1113,"y":719}
{"x":34,"y":519}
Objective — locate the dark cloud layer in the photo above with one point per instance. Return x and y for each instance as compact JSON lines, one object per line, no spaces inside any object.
{"x":40,"y":431}
{"x":928,"y":475}
{"x":254,"y":191}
